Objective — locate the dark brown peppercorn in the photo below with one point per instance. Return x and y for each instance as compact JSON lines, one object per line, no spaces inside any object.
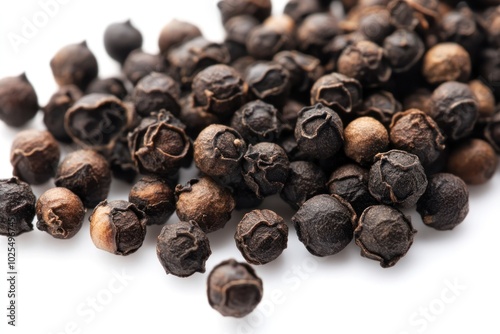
{"x":315,"y":32}
{"x":60,"y":213}
{"x":474,"y":161}
{"x":337,"y":45}
{"x":139,"y":64}
{"x":419,"y":99}
{"x":182,"y":249}
{"x":304,"y":69}
{"x":403,"y":16}
{"x":18,"y":100}
{"x":445,"y":203}
{"x":154,"y":92}
{"x":484,"y":98}
{"x":257,"y":121}
{"x":364,"y":138}
{"x":176,"y":33}
{"x":397,"y":178}
{"x":380,"y":105}
{"x":265,"y":168}
{"x":338,"y":92}
{"x":204,"y":201}
{"x":403,"y":50}
{"x":305,"y":180}
{"x":194,"y":117}
{"x":261,"y":236}
{"x":446,"y":62}
{"x":113,"y":85}
{"x":17,"y":207}
{"x":260,"y":9}
{"x":269,"y":82}
{"x":325,"y":224}
{"x":34,"y":155}
{"x":56,"y":109}
{"x":120,"y":39}
{"x":265,"y":40}
{"x":298,"y":10}
{"x":384,"y":234}
{"x":117,"y":227}
{"x":319,"y":132}
{"x":460,"y":27}
{"x":244,"y":197}
{"x":75,"y":65}
{"x":454,"y":108}
{"x":86,"y":173}
{"x":492,"y":132}
{"x":234,"y":289}
{"x":155,"y":197}
{"x":351,"y":183}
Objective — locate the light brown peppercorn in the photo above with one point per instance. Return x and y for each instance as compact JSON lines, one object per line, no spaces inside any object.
{"x":446,"y":62}
{"x":484,"y":98}
{"x":364,"y":138}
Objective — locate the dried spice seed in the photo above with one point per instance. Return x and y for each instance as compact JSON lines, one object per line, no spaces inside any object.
{"x":17,"y":207}
{"x":337,"y":91}
{"x":364,"y":138}
{"x":492,"y":132}
{"x":176,"y":33}
{"x":257,"y":121}
{"x":446,"y":62}
{"x":139,"y":64}
{"x":18,"y":100}
{"x":112,"y":86}
{"x":265,"y":40}
{"x":315,"y":32}
{"x":460,"y":26}
{"x":120,"y":39}
{"x":484,"y":98}
{"x":403,"y":50}
{"x":380,"y":105}
{"x":194,"y":117}
{"x":305,"y":180}
{"x":304,"y":69}
{"x":269,"y":82}
{"x":154,"y":92}
{"x":56,"y":109}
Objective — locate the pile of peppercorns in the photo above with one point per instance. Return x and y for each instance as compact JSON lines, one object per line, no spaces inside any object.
{"x":349,"y":110}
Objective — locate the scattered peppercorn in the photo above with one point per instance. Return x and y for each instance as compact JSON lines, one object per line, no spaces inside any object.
{"x":56,"y":109}
{"x":257,"y":121}
{"x":120,"y":39}
{"x":18,"y":100}
{"x":17,"y":207}
{"x":335,"y":90}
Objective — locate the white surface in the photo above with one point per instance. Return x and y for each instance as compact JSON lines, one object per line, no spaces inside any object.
{"x":58,"y":279}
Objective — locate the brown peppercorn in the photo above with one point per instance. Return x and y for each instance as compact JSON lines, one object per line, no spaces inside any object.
{"x":117,"y":227}
{"x":304,"y":70}
{"x":183,"y":248}
{"x":269,"y":82}
{"x":239,"y":27}
{"x":460,"y":26}
{"x":484,"y":98}
{"x":154,"y":92}
{"x":265,"y":40}
{"x":17,"y":207}
{"x":403,"y":16}
{"x":380,"y":105}
{"x":86,"y":173}
{"x":75,"y":65}
{"x":34,"y":155}
{"x":155,"y":197}
{"x":290,"y":112}
{"x":120,"y":39}
{"x":18,"y":100}
{"x":206,"y":202}
{"x":338,"y":92}
{"x":305,"y":180}
{"x":259,"y":9}
{"x":415,"y":132}
{"x":376,"y":24}
{"x":403,"y":50}
{"x":261,"y":236}
{"x":446,"y":62}
{"x":492,"y":132}
{"x":257,"y":121}
{"x":315,"y":32}
{"x":176,"y":33}
{"x":113,"y":85}
{"x":384,"y":234}
{"x":194,"y":117}
{"x":298,"y":10}
{"x":473,"y":160}
{"x":139,"y":64}
{"x":364,"y":138}
{"x":337,"y":45}
{"x":60,"y":213}
{"x":445,"y":203}
{"x":55,"y":111}
{"x":419,"y":99}
{"x":233,"y":289}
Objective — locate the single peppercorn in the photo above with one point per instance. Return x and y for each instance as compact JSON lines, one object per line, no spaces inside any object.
{"x":384,"y":234}
{"x":206,"y":202}
{"x":117,"y":227}
{"x":290,"y":113}
{"x":257,"y":121}
{"x":473,"y":160}
{"x":238,"y":30}
{"x":380,"y":105}
{"x":265,"y":168}
{"x":304,"y":69}
{"x":305,"y":180}
{"x":403,"y":50}
{"x":315,"y":32}
{"x":139,"y":64}
{"x":194,"y":117}
{"x":56,"y":109}
{"x":492,"y":132}
{"x":154,"y":92}
{"x":120,"y":39}
{"x":325,"y":224}
{"x":155,"y":197}
{"x":261,"y":236}
{"x":60,"y":213}
{"x":113,"y":85}
{"x":376,"y":25}
{"x":234,"y":289}
{"x":397,"y":178}
{"x":269,"y":82}
{"x":34,"y":155}
{"x":86,"y":173}
{"x":17,"y":207}
{"x":75,"y":65}
{"x":364,"y":138}
{"x":265,"y":40}
{"x":403,"y":16}
{"x":18,"y":100}
{"x":445,"y":203}
{"x":446,"y":62}
{"x":319,"y":132}
{"x":176,"y":33}
{"x":183,"y":248}
{"x":484,"y":98}
{"x":259,"y":9}
{"x":337,"y":45}
{"x":337,"y":91}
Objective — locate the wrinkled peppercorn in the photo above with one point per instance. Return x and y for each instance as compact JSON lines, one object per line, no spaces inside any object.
{"x":403,"y":16}
{"x":120,"y":39}
{"x":364,"y":138}
{"x":376,"y":25}
{"x":75,"y":65}
{"x":117,"y":227}
{"x":60,"y":213}
{"x":315,"y":32}
{"x":259,"y":9}
{"x":268,"y":81}
{"x":446,"y":62}
{"x":113,"y":85}
{"x":237,"y":30}
{"x":206,"y":202}
{"x":275,"y":35}
{"x":325,"y":224}
{"x":257,"y":121}
{"x":17,"y":207}
{"x":194,"y":117}
{"x":183,"y":248}
{"x":176,"y":33}
{"x":305,"y":180}
{"x":397,"y":178}
{"x":403,"y":50}
{"x":460,"y":26}
{"x":18,"y":100}
{"x":86,"y":173}
{"x":154,"y":92}
{"x":338,"y":92}
{"x":261,"y":236}
{"x":139,"y":64}
{"x":380,"y":105}
{"x":445,"y":203}
{"x":384,"y":234}
{"x":304,"y":69}
{"x":155,"y":197}
{"x":55,"y":111}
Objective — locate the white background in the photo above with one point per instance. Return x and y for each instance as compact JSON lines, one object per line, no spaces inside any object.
{"x":344,"y":293}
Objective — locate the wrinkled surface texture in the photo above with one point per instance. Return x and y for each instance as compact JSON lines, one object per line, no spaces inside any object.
{"x":155,"y":197}
{"x":305,"y":180}
{"x":17,"y":207}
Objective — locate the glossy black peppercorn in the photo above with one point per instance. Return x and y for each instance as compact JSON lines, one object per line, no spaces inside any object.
{"x":120,"y":39}
{"x":337,"y":91}
{"x":154,"y":92}
{"x":18,"y":100}
{"x":257,"y":121}
{"x":56,"y":109}
{"x":17,"y":207}
{"x":305,"y":180}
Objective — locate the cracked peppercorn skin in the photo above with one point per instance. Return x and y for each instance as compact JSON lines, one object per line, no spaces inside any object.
{"x":17,"y":207}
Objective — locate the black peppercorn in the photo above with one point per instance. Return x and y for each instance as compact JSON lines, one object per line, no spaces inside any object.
{"x":380,"y":105}
{"x":338,"y":92}
{"x":397,"y":178}
{"x":259,"y":9}
{"x":403,"y":50}
{"x":34,"y":155}
{"x":275,"y":35}
{"x":319,"y":132}
{"x":337,"y":45}
{"x":60,"y":213}
{"x":155,"y":197}
{"x":261,"y":236}
{"x":325,"y":224}
{"x":305,"y":180}
{"x":445,"y":203}
{"x":257,"y":121}
{"x":244,"y":197}
{"x":75,"y":65}
{"x":446,"y":62}
{"x":120,"y":39}
{"x":268,"y":81}
{"x":86,"y":173}
{"x":176,"y":33}
{"x":403,"y":16}
{"x":304,"y":70}
{"x":183,"y":248}
{"x":194,"y":117}
{"x":492,"y":132}
{"x":265,"y":168}
{"x":205,"y":202}
{"x":117,"y":227}
{"x":154,"y":92}
{"x":113,"y":85}
{"x":384,"y":234}
{"x":56,"y":109}
{"x":17,"y":207}
{"x":18,"y":100}
{"x":238,"y":29}
{"x":315,"y":32}
{"x":139,"y":64}
{"x":364,"y":138}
